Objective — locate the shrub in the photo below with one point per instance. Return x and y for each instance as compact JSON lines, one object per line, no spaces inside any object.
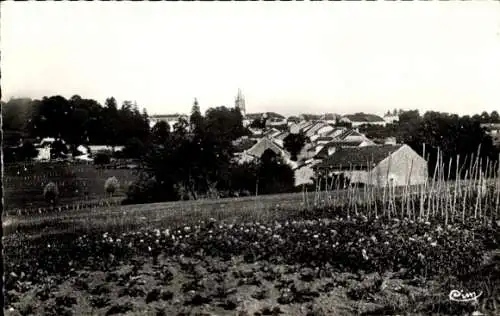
{"x":51,"y":193}
{"x":102,"y":159}
{"x":111,"y":185}
{"x":148,"y":190}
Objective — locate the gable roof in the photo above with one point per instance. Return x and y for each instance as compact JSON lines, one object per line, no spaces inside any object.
{"x":346,"y":157}
{"x":363,"y":117}
{"x":281,"y":136}
{"x":314,"y":128}
{"x":323,"y":152}
{"x":262,"y":145}
{"x":244,"y":144}
{"x":349,"y":132}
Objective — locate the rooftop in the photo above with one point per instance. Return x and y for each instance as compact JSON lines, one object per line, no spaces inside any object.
{"x":363,"y":117}
{"x":346,"y":157}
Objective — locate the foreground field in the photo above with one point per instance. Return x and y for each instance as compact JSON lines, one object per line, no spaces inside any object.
{"x":311,"y":263}
{"x":357,"y":252}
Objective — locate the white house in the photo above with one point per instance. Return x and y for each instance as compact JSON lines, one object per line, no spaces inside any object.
{"x":382,"y":165}
{"x":43,"y":154}
{"x":391,"y":119}
{"x":359,"y":119}
{"x":171,"y":119}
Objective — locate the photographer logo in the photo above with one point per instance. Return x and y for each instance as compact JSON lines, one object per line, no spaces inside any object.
{"x":461,"y":296}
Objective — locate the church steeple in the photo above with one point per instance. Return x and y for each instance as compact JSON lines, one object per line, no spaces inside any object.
{"x":240,"y":102}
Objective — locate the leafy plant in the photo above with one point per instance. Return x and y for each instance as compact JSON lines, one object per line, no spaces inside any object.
{"x":51,"y":193}
{"x":111,"y":185}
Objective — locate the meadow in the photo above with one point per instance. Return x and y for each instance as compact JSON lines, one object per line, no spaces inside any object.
{"x":78,"y":183}
{"x":357,"y":251}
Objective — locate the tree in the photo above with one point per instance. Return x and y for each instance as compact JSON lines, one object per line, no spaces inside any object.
{"x":494,"y":117}
{"x":28,"y":151}
{"x":274,"y":176}
{"x":294,"y":143}
{"x":160,"y":133}
{"x":196,"y":119}
{"x":51,"y":193}
{"x":58,"y":149}
{"x":102,"y":159}
{"x":134,"y":148}
{"x":111,"y":186}
{"x":485,"y":117}
{"x":259,"y":123}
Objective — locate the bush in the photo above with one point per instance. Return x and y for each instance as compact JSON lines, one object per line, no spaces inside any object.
{"x":51,"y":193}
{"x":148,"y":190}
{"x":111,"y":185}
{"x":102,"y":159}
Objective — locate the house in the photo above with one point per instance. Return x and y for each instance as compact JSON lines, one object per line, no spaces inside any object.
{"x":299,"y":127}
{"x":46,"y":142}
{"x":275,"y":121}
{"x":103,"y":148}
{"x":351,"y":135}
{"x":243,"y":143}
{"x":359,"y":119}
{"x":310,"y":117}
{"x":318,"y":128}
{"x":262,"y":145}
{"x":304,"y":175}
{"x":325,"y":150}
{"x":391,"y":119}
{"x":280,"y":138}
{"x":272,"y":118}
{"x":330,"y":118}
{"x":272,"y":132}
{"x":491,"y":128}
{"x":292,"y":119}
{"x":171,"y":119}
{"x":382,"y":165}
{"x":266,"y":143}
{"x":43,"y":154}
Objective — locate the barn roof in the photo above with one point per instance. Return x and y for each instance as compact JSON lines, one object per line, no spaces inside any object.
{"x":323,"y":153}
{"x":345,"y":157}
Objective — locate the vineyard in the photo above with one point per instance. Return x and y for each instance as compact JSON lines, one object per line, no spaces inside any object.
{"x":356,"y":251}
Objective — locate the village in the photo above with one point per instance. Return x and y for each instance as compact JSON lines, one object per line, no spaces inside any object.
{"x":333,"y":143}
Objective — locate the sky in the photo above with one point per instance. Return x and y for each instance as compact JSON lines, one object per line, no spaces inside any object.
{"x":286,"y":57}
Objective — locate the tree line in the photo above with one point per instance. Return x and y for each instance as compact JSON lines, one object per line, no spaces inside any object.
{"x":196,"y":159}
{"x":192,"y":159}
{"x":74,"y":121}
{"x":456,"y":139}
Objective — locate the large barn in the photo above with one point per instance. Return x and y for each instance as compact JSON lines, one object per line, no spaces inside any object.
{"x":377,"y":165}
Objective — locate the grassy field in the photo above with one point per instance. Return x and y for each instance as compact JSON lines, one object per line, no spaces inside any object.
{"x":358,"y":251}
{"x":24,"y":183}
{"x":262,"y":255}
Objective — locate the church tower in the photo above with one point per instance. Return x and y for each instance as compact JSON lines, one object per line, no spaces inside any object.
{"x":240,"y":102}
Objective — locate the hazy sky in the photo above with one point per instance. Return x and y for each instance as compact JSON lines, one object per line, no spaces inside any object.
{"x":291,"y":58}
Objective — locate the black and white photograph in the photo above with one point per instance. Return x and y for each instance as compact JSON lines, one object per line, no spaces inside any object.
{"x":250,"y":158}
